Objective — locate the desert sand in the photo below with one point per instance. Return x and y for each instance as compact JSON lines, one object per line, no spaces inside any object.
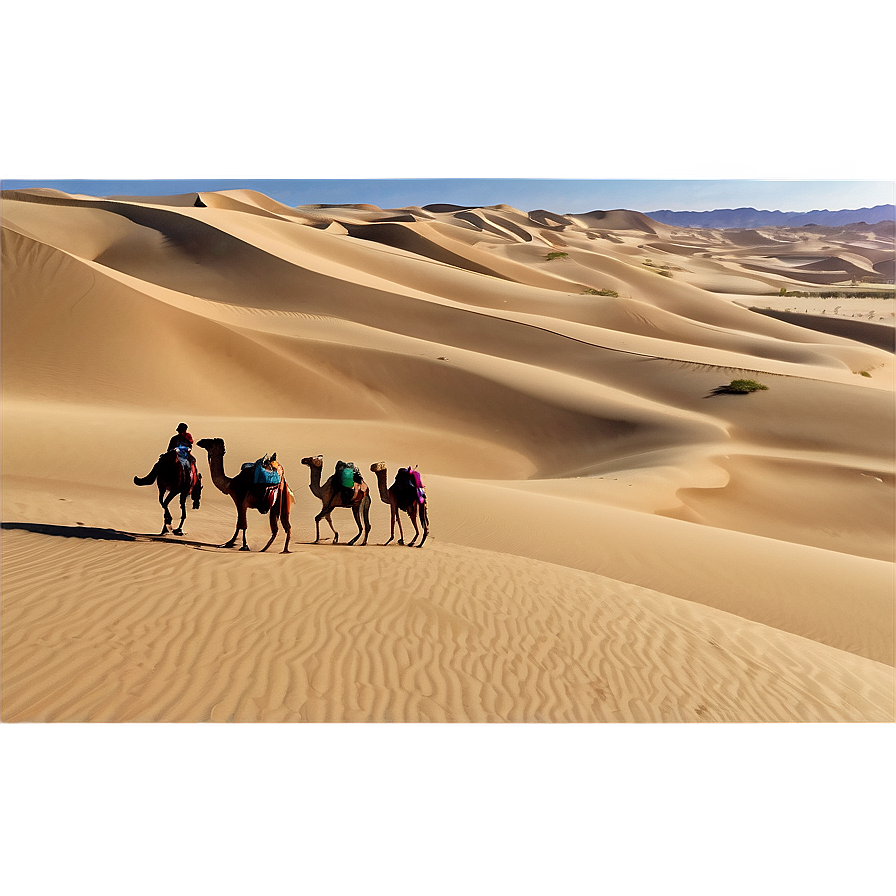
{"x":613,"y":536}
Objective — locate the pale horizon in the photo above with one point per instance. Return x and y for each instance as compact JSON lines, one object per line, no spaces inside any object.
{"x":568,"y":196}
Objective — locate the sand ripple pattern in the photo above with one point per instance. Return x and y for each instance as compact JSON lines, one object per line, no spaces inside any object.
{"x":118,"y":632}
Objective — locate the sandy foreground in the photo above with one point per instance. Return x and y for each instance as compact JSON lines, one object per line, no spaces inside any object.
{"x":613,"y":537}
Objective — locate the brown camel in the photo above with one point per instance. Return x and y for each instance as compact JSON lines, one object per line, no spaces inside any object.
{"x":273,"y":500}
{"x":402,"y":495}
{"x":331,"y":496}
{"x":172,"y":479}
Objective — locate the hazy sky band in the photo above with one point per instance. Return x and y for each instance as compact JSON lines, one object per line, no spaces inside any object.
{"x":561,"y":195}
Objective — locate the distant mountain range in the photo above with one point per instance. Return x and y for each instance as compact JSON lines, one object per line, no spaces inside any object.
{"x":751,"y":217}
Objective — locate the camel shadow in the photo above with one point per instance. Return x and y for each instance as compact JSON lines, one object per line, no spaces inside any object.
{"x":71,"y":531}
{"x":97,"y":534}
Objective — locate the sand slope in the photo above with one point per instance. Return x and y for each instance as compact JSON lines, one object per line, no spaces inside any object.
{"x":613,"y":537}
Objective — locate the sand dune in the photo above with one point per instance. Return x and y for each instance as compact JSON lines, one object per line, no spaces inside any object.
{"x":614,"y":538}
{"x":389,"y":636}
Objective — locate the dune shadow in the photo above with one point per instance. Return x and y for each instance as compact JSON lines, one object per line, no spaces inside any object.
{"x":873,"y":334}
{"x":97,"y":534}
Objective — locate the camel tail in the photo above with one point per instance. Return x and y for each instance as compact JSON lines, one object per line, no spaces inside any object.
{"x":148,"y":479}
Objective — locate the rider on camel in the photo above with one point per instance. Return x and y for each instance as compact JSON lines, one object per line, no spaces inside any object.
{"x":180,"y":440}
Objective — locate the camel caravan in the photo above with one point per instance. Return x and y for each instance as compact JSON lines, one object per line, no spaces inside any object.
{"x":261,"y":485}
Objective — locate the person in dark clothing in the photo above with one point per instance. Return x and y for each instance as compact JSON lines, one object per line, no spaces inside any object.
{"x":181,"y":437}
{"x":182,"y":443}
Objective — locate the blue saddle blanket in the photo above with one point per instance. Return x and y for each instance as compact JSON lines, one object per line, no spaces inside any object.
{"x":266,"y":477}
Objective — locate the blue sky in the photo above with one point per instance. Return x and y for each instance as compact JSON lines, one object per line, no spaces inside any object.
{"x":559,"y":195}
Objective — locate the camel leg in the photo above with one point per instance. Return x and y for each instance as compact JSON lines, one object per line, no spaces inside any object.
{"x":166,"y":525}
{"x":324,"y":515}
{"x":357,"y":509}
{"x":365,"y":508}
{"x":232,"y":542}
{"x":284,"y":521}
{"x":356,"y":513}
{"x":274,"y":530}
{"x":391,"y":527}
{"x":397,"y":519}
{"x":412,"y":513}
{"x":278,"y":510}
{"x":183,"y":515}
{"x":424,"y":519}
{"x":241,"y":524}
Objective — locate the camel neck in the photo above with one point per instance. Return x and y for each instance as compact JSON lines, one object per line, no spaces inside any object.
{"x":381,"y":481}
{"x":216,"y":468}
{"x":315,"y":481}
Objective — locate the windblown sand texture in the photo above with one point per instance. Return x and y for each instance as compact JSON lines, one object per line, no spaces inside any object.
{"x":613,"y":538}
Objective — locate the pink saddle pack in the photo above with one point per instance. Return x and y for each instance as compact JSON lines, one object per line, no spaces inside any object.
{"x":417,"y":482}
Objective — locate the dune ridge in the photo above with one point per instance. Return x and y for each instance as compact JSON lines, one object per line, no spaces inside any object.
{"x":604,"y":515}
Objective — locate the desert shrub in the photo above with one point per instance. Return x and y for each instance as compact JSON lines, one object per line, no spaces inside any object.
{"x":601,"y":292}
{"x":837,"y":294}
{"x":552,"y":255}
{"x":742,"y":387}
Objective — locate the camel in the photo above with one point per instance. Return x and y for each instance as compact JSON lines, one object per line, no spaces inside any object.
{"x":274,"y":501}
{"x":172,"y":479}
{"x":331,"y":496}
{"x":402,"y":495}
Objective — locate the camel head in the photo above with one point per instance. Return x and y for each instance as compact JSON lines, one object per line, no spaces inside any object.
{"x":375,"y":468}
{"x":317,"y":461}
{"x":211,"y":445}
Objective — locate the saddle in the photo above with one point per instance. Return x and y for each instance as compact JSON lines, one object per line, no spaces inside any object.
{"x":349,"y":480}
{"x":267,"y":479}
{"x":408,"y":488}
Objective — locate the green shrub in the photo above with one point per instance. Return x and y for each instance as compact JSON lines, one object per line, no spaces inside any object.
{"x":742,"y":387}
{"x":552,"y":255}
{"x":601,"y":292}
